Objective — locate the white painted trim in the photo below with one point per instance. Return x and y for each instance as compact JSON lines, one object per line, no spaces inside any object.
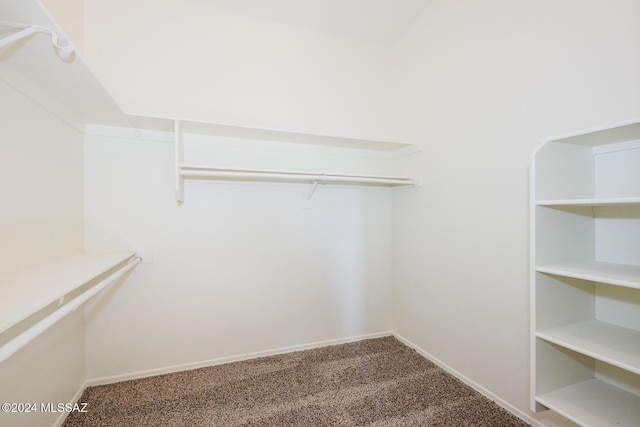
{"x":512,"y":409}
{"x":230,"y":359}
{"x":63,"y":415}
{"x":532,"y":281}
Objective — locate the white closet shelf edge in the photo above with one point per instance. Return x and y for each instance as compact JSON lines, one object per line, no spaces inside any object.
{"x":612,"y":344}
{"x":601,"y":201}
{"x":596,"y":271}
{"x":27,"y":293}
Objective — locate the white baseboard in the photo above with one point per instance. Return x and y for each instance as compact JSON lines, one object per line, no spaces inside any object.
{"x":230,"y":359}
{"x":515,"y":411}
{"x":63,"y":415}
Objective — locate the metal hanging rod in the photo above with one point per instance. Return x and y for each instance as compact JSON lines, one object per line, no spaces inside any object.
{"x":275,"y":175}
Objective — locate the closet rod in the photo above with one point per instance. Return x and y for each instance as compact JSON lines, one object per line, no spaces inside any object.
{"x":14,"y":345}
{"x":193,"y":172}
{"x":63,"y":46}
{"x":24,"y":33}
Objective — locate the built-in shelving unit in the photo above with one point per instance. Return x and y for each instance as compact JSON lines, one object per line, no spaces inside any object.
{"x":585,"y":276}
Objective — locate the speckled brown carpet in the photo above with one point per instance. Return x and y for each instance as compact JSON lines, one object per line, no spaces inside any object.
{"x":376,"y":382}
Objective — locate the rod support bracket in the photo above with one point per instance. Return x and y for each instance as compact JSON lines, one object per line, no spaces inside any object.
{"x":312,"y":189}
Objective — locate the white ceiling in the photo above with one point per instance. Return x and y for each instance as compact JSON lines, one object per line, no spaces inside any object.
{"x":372,"y":21}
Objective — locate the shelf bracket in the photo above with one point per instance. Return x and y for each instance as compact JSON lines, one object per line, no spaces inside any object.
{"x":312,"y":189}
{"x":179,"y":159}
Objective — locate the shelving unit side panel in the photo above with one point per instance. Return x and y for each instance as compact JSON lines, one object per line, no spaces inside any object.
{"x":563,"y":300}
{"x":618,"y":305}
{"x":564,"y":234}
{"x":564,"y":171}
{"x":618,"y":234}
{"x":618,"y":174}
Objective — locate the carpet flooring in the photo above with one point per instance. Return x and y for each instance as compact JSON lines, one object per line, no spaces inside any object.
{"x":376,"y":382}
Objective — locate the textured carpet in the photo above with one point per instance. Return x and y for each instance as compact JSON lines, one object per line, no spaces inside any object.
{"x":377,"y":382}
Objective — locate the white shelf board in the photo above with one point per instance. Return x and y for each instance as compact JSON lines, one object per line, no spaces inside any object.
{"x":628,"y":131}
{"x":617,"y":201}
{"x":609,"y":343}
{"x":251,"y":133}
{"x":25,"y":294}
{"x":594,"y":403}
{"x":596,"y":271}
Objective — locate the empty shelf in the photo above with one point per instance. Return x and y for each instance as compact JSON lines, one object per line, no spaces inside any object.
{"x":596,"y":271}
{"x":594,"y":403}
{"x":609,"y":343}
{"x":604,"y":201}
{"x":31,"y":291}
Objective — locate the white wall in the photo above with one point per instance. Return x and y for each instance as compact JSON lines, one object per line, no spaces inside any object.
{"x":239,"y":268}
{"x":187,"y":59}
{"x":41,"y":172}
{"x":480,"y":83}
{"x":69,"y":15}
{"x":41,"y":219}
